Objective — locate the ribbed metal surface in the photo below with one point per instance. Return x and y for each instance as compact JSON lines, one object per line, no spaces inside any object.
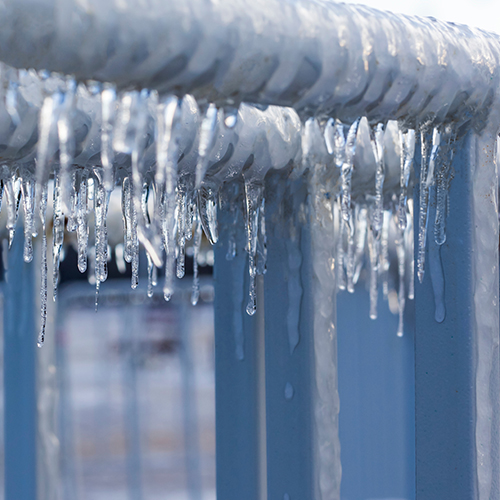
{"x":316,"y":56}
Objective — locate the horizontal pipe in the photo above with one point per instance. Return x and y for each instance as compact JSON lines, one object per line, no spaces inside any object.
{"x":319,"y":57}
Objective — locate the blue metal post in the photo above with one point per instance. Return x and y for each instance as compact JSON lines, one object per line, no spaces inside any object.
{"x":446,"y":354}
{"x":19,"y":376}
{"x":289,"y":358}
{"x":377,"y":400}
{"x":237,"y":393}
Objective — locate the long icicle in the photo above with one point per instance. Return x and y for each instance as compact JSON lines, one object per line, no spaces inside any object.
{"x":400,"y":250}
{"x":43,"y":280}
{"x":253,"y":197}
{"x":374,"y":267}
{"x":443,"y":179}
{"x":57,"y":233}
{"x":377,"y":142}
{"x":166,"y":181}
{"x":426,"y":179}
{"x":347,"y":167}
{"x":195,"y":294}
{"x":82,"y":231}
{"x":407,"y":140}
{"x":28,"y":190}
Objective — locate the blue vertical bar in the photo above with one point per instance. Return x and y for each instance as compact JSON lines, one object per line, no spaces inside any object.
{"x":289,"y":360}
{"x":446,"y":353}
{"x":19,"y":376}
{"x":238,"y":425}
{"x":377,"y":399}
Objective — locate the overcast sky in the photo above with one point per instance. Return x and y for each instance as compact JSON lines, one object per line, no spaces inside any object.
{"x":479,"y":13}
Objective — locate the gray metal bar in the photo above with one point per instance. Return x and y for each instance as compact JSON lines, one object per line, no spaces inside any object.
{"x":19,"y":376}
{"x":238,"y":412}
{"x":448,"y":408}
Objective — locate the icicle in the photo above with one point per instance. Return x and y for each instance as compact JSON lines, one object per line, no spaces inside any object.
{"x":189,"y":223}
{"x":169,"y":230}
{"x":231,"y":244}
{"x":207,"y":200}
{"x":262,"y":240}
{"x":108,"y":109}
{"x":101,"y":240}
{"x":127,"y":220}
{"x":43,"y":284}
{"x":134,"y":250}
{"x":374,"y":266}
{"x":442,"y":175}
{"x":134,"y":244}
{"x":426,"y":179}
{"x":151,"y":267}
{"x":181,"y":233}
{"x":57,"y":233}
{"x":147,"y":219}
{"x":72,"y":219}
{"x":28,"y":190}
{"x":154,"y":276}
{"x":82,"y":231}
{"x":377,"y":142}
{"x":195,"y":294}
{"x":12,"y":194}
{"x":407,"y":140}
{"x":208,"y":132}
{"x":253,"y":198}
{"x":341,"y":281}
{"x":335,"y":141}
{"x":168,"y":113}
{"x":347,"y":166}
{"x":400,"y":251}
{"x":384,"y":256}
{"x":361,"y":227}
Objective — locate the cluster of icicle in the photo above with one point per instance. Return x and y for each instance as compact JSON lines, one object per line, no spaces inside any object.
{"x":171,"y":155}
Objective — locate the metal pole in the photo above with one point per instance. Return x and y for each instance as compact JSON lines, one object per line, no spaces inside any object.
{"x":449,"y":408}
{"x":289,"y":354}
{"x":19,"y":376}
{"x":377,"y":399}
{"x":238,"y":412}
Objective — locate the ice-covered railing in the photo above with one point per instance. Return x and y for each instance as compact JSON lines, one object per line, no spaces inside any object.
{"x":91,"y":139}
{"x":194,"y":105}
{"x":436,"y":79}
